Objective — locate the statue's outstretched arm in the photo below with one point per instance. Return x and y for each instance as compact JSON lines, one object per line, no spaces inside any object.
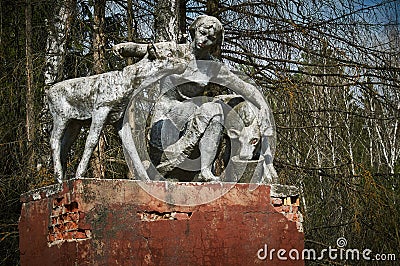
{"x":130,"y":49}
{"x":248,"y":91}
{"x":228,"y":79}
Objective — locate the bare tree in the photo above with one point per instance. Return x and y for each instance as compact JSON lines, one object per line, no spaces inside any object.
{"x":59,"y":28}
{"x":98,"y":46}
{"x":329,"y":69}
{"x":167,"y":20}
{"x":30,"y":94}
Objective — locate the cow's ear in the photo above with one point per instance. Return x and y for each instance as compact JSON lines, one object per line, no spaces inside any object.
{"x":233,"y":133}
{"x":268,"y":131}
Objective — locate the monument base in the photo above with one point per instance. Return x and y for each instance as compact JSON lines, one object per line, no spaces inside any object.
{"x":117,"y":222}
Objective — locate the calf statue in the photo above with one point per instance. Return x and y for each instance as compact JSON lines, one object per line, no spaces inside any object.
{"x":102,"y":99}
{"x":243,"y":126}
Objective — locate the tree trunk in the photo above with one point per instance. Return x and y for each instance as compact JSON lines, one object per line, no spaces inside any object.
{"x":57,"y":42}
{"x":99,"y":36}
{"x":132,"y":32}
{"x":131,"y":27}
{"x":30,"y":94}
{"x":182,"y":21}
{"x":98,"y":162}
{"x":166,"y":20}
{"x":213,"y":10}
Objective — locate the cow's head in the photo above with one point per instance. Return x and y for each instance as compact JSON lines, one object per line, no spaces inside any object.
{"x":249,"y":138}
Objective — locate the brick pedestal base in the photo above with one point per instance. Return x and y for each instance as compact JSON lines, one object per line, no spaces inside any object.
{"x":116,"y":222}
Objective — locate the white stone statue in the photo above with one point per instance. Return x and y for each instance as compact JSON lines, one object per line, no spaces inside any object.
{"x":102,"y":99}
{"x":184,"y":119}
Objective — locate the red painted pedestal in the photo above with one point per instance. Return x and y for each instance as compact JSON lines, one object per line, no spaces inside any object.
{"x":116,"y":222}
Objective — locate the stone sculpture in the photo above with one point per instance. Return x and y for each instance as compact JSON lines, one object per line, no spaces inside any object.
{"x":245,"y":130}
{"x":102,"y":99}
{"x":184,"y":118}
{"x":243,"y":126}
{"x":189,"y":114}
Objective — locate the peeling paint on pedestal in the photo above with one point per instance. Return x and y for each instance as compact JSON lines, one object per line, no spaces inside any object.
{"x":109,"y":222}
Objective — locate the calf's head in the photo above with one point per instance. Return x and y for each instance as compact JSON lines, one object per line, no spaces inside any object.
{"x":243,"y":127}
{"x":249,"y":140}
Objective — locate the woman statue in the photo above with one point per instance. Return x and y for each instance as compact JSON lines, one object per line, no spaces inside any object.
{"x":185,"y":116}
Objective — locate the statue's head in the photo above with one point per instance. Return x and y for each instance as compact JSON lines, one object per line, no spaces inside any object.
{"x":207,"y":33}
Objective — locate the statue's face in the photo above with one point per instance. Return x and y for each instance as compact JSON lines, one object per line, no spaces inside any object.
{"x":205,"y":37}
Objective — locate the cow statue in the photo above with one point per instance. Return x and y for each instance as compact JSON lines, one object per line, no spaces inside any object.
{"x":102,"y":99}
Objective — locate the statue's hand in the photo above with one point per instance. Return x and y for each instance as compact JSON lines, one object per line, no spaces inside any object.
{"x":179,"y":65}
{"x":118,"y":49}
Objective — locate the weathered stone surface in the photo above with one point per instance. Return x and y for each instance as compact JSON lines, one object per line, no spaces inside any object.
{"x":102,"y":99}
{"x":187,"y":121}
{"x":116,"y":222}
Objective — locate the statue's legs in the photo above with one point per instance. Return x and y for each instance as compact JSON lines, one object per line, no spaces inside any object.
{"x":57,"y":134}
{"x":204,"y":128}
{"x":98,"y":120}
{"x":72,"y":131}
{"x":208,"y":146}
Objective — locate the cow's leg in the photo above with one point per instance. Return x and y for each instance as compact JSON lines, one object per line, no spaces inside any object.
{"x":71,"y":133}
{"x":57,"y":133}
{"x":269,"y":173}
{"x":98,"y":119}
